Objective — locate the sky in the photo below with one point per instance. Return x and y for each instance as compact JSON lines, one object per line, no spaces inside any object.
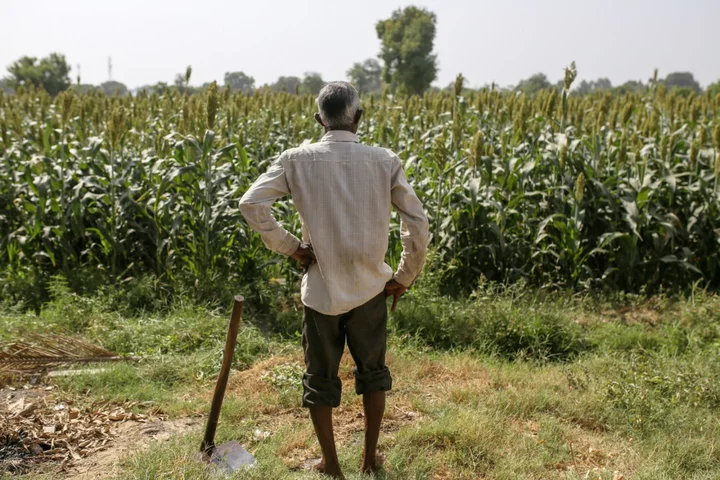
{"x":501,"y":40}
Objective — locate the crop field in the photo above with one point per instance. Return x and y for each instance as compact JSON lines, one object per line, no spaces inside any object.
{"x":566,"y":324}
{"x":599,"y":192}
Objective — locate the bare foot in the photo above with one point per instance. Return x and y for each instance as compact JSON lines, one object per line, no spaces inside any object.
{"x":329,"y":470}
{"x":372,"y":465}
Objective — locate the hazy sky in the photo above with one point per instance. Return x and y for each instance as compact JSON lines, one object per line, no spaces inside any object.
{"x":499,"y":40}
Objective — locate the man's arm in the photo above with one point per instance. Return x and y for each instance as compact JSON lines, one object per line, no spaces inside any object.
{"x":413,"y":233}
{"x":256,"y":205}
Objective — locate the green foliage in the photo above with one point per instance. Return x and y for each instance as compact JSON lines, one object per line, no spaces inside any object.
{"x":182,"y":81}
{"x":239,"y":81}
{"x":646,"y":389}
{"x":366,"y":76}
{"x":407,"y":43}
{"x":286,"y":378}
{"x":110,"y":320}
{"x":50,"y":73}
{"x":85,"y":88}
{"x":287,"y":375}
{"x":141,"y":192}
{"x":5,"y":86}
{"x":286,"y":84}
{"x":612,"y":409}
{"x":286,"y":322}
{"x":631,"y":86}
{"x":312,"y":83}
{"x":69,"y":311}
{"x":682,"y":80}
{"x":713,"y":90}
{"x":111,"y":88}
{"x":534,"y":84}
{"x":585,"y":87}
{"x":508,"y":329}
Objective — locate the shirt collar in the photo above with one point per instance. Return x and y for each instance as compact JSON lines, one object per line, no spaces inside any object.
{"x":339,"y":136}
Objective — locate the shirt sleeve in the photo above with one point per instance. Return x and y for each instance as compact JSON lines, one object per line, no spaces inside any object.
{"x":413,"y":226}
{"x":256,"y":205}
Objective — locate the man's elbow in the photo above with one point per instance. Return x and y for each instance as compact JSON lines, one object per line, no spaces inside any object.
{"x":245,"y":206}
{"x":250,"y":214}
{"x":244,"y":211}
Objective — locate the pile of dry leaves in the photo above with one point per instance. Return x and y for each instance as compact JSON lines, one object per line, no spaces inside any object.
{"x":38,"y":428}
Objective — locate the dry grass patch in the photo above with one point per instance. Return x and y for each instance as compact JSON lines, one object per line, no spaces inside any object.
{"x":274,"y":407}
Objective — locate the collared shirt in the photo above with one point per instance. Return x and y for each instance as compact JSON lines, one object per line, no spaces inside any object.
{"x":343,"y":191}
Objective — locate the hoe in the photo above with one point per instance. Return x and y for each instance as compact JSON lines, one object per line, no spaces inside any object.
{"x":229,"y":456}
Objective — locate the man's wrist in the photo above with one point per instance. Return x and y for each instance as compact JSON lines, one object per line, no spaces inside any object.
{"x":290,"y":246}
{"x":402,"y":280}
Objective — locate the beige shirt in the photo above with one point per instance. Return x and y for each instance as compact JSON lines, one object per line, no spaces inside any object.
{"x":343,"y":191}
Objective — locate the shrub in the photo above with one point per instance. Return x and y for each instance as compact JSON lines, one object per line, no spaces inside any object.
{"x":508,"y":329}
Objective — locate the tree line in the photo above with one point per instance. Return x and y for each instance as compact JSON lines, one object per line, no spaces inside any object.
{"x":684,"y":82}
{"x":408,"y":66}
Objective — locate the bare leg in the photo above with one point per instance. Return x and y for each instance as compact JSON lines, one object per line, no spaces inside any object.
{"x":322,"y":421}
{"x":374,"y":404}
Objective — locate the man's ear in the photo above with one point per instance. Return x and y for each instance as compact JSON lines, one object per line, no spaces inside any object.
{"x":358,"y":114}
{"x":319,"y":119}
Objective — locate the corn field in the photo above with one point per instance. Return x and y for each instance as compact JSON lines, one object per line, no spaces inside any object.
{"x":596,"y":192}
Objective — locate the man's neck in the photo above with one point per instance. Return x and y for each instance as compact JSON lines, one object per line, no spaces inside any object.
{"x":351,"y":130}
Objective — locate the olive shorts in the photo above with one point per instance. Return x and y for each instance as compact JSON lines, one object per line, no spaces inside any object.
{"x":323,"y":340}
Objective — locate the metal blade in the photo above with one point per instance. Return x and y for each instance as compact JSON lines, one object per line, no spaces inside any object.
{"x":230,"y":456}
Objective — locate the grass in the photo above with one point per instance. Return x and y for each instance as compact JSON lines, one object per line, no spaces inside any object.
{"x":592,"y":389}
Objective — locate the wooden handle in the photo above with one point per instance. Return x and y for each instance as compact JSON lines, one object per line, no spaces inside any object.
{"x":208,"y":442}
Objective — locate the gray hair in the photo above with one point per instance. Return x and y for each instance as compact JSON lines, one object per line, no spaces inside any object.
{"x":338,"y":103}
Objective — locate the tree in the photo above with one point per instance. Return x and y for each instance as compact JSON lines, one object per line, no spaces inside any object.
{"x":630,"y":86}
{"x":682,"y":79}
{"x":366,"y":76}
{"x":286,"y":84}
{"x":312,"y":83}
{"x":5,"y":85}
{"x":179,"y":81}
{"x":583,"y":88}
{"x":714,"y":89}
{"x":586,"y":87}
{"x":407,"y":43}
{"x":85,"y":88}
{"x":159,"y":88}
{"x":239,"y":81}
{"x":51,"y":73}
{"x":602,"y":84}
{"x":534,"y":84}
{"x":112,"y":87}
{"x":182,"y":81}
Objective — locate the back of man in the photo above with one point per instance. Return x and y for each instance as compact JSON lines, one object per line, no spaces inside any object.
{"x":344,"y":192}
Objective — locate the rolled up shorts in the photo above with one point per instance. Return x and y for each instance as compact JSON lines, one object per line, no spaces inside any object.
{"x":323,"y":340}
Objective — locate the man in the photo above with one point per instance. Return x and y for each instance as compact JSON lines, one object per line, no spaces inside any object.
{"x":343,"y":191}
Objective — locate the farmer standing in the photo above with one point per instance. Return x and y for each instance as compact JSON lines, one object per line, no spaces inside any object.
{"x":343,"y":191}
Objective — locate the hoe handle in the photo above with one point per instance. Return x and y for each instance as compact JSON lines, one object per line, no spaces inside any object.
{"x":208,"y":442}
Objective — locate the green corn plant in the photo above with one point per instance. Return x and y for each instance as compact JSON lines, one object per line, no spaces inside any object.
{"x":148,"y":185}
